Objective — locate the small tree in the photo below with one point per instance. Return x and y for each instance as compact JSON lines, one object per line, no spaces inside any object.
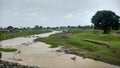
{"x":106,"y":20}
{"x":40,"y":27}
{"x":10,"y":27}
{"x":36,"y":27}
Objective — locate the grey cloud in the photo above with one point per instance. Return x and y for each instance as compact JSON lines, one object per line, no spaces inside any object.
{"x":32,"y":12}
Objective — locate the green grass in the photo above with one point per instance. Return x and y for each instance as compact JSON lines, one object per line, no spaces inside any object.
{"x":84,"y":45}
{"x":96,"y":51}
{"x":4,"y":36}
{"x":8,"y":49}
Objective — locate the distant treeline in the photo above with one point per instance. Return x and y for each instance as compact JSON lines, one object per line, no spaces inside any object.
{"x":48,"y":27}
{"x":16,"y":29}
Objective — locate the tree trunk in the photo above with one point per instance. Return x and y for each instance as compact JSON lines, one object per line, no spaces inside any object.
{"x":106,"y":31}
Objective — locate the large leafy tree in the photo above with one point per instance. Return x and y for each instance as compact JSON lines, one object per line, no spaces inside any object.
{"x":106,"y":20}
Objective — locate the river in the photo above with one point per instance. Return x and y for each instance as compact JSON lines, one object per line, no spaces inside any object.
{"x":39,"y":54}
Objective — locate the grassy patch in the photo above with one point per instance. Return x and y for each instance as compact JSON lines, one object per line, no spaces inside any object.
{"x":93,"y":45}
{"x":81,"y":45}
{"x":8,"y":49}
{"x":96,"y":42}
{"x":4,"y":36}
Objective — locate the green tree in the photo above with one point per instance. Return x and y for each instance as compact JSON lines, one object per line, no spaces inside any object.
{"x":106,"y":20}
{"x":36,"y":27}
{"x":40,"y":27}
{"x":10,"y":27}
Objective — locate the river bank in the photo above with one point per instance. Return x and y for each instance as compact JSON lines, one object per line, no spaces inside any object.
{"x":39,"y":54}
{"x":102,"y":47}
{"x":5,"y":36}
{"x":6,"y":64}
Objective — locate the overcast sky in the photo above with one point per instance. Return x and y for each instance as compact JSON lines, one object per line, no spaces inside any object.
{"x":52,"y":12}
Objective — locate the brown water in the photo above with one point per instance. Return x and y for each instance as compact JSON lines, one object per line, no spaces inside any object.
{"x":40,"y":54}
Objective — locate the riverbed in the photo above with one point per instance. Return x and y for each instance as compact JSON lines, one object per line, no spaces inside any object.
{"x":39,"y":54}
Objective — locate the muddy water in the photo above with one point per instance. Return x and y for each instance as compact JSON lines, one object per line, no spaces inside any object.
{"x":40,"y":54}
{"x":20,"y":40}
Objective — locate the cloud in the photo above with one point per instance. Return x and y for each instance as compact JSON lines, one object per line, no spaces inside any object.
{"x":44,"y":18}
{"x":16,"y":14}
{"x":33,"y":14}
{"x":57,"y":12}
{"x":69,"y":16}
{"x":25,"y":14}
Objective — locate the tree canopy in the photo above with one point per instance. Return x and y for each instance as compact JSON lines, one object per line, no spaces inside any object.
{"x":38,"y":27}
{"x":106,"y":20}
{"x":10,"y":27}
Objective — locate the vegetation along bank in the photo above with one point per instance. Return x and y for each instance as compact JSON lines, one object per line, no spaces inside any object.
{"x":88,"y":43}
